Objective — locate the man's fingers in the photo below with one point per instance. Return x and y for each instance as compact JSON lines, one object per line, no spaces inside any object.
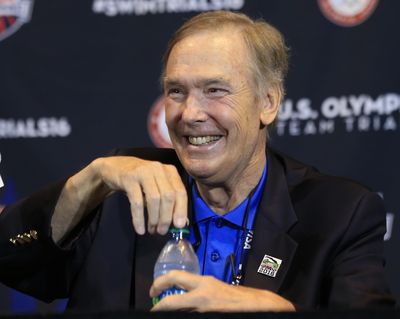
{"x":178,"y":278}
{"x":180,"y":212}
{"x":135,"y":197}
{"x":167,"y":200}
{"x":152,"y":198}
{"x":183,"y":302}
{"x":157,"y":186}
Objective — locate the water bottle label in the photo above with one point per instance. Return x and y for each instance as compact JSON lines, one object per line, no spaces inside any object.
{"x":171,"y":291}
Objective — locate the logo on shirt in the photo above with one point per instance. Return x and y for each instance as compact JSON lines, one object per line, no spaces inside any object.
{"x":13,"y":14}
{"x":347,"y":13}
{"x":269,"y":266}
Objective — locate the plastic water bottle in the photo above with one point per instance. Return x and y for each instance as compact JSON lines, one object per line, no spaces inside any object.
{"x":177,"y":254}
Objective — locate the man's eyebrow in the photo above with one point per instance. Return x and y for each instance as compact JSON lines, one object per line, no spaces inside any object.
{"x":200,"y":82}
{"x":171,"y":82}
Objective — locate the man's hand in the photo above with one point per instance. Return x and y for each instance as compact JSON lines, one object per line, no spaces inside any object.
{"x":209,"y":294}
{"x":146,"y":183}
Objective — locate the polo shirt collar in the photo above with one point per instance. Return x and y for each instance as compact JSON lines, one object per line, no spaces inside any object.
{"x":236,"y":215}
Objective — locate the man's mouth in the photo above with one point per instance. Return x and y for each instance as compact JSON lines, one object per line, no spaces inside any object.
{"x":201,"y":140}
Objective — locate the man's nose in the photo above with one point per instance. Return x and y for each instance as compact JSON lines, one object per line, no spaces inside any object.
{"x":194,"y":110}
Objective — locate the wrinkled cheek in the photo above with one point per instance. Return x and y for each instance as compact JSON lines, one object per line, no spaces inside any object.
{"x":228,"y":117}
{"x":239,"y":122}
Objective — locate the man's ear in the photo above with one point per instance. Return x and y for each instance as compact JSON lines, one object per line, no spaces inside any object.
{"x":270,"y":104}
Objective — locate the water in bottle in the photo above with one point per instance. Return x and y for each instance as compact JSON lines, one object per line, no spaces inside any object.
{"x":177,"y":254}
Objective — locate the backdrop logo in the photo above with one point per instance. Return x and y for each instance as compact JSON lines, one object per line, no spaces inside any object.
{"x":156,"y":124}
{"x":142,"y":7}
{"x":344,"y":114}
{"x":347,"y":13}
{"x":34,"y":128}
{"x":13,"y":14}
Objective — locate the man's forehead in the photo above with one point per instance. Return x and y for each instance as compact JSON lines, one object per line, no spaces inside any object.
{"x":221,"y":42}
{"x":209,"y":55}
{"x":228,"y":31}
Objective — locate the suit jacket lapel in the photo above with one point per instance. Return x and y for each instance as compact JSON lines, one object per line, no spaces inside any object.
{"x":274,"y":218}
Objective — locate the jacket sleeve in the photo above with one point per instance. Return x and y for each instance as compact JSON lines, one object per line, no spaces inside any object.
{"x":357,"y":278}
{"x":30,"y":261}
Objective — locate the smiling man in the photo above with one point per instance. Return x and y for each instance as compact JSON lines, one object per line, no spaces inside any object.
{"x":216,"y":119}
{"x":271,"y":233}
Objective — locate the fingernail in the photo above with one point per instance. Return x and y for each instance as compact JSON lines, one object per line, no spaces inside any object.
{"x":180,"y":222}
{"x":162,"y":229}
{"x":140,"y":230}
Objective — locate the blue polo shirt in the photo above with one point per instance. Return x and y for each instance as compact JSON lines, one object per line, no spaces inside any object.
{"x":222,"y":235}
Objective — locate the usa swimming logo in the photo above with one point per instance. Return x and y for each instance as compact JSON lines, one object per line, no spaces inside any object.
{"x":14,"y":14}
{"x":157,"y":128}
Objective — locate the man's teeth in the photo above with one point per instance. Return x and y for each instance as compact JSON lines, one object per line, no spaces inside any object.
{"x":199,"y":140}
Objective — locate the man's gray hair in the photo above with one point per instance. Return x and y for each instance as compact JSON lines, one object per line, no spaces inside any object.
{"x":268,"y":61}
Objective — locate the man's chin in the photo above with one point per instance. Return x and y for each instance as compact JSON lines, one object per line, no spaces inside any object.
{"x":201,"y":169}
{"x":201,"y":173}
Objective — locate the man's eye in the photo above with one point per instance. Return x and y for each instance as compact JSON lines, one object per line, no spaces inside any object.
{"x":217,"y":91}
{"x":173,"y":91}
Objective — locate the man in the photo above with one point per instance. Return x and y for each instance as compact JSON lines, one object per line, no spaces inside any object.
{"x":285,"y":235}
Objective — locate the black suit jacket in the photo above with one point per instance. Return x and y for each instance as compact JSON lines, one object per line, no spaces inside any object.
{"x":327,"y":231}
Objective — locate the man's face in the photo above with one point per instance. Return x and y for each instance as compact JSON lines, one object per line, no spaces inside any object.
{"x":212,"y":112}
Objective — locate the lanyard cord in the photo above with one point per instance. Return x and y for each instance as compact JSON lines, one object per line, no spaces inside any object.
{"x":238,"y":274}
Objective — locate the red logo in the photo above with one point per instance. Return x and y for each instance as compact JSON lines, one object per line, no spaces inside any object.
{"x":13,"y":14}
{"x":347,"y":13}
{"x":156,"y":124}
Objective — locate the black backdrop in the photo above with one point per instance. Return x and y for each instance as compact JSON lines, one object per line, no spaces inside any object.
{"x":79,"y":78}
